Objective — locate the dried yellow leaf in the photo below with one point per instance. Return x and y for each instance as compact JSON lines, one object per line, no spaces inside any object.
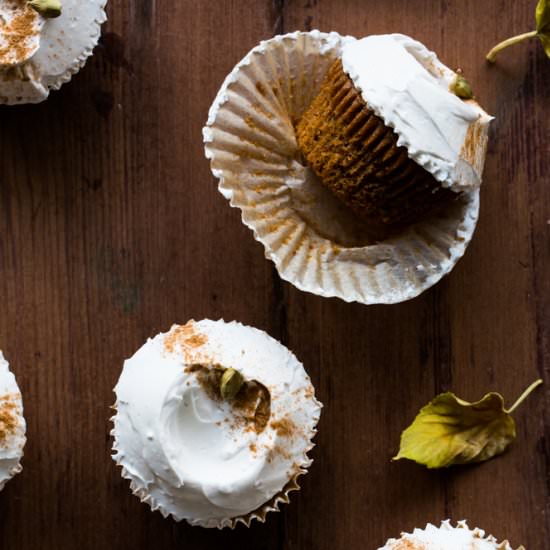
{"x":451,"y":431}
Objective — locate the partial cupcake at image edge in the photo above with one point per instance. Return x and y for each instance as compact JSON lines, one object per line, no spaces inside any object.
{"x":447,"y":537}
{"x":43,"y":43}
{"x":356,"y":163}
{"x":12,"y":425}
{"x":213,"y":423}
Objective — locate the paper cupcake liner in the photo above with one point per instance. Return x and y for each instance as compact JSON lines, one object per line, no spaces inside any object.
{"x":314,"y":241}
{"x":272,"y":505}
{"x":16,"y":469}
{"x":446,"y":525}
{"x":66,"y":44}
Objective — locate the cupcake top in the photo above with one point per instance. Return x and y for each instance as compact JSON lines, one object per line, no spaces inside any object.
{"x":39,"y":53}
{"x":198,"y":446}
{"x":20,"y":29}
{"x":12,"y":424}
{"x":410,"y":89}
{"x":446,"y":537}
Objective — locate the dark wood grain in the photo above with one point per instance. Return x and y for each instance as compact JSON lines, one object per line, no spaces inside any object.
{"x":111,"y":229}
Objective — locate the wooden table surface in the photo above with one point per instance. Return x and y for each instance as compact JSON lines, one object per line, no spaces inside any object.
{"x":112,"y":229}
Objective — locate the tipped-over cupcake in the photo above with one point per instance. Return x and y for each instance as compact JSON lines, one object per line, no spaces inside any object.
{"x":43,"y":43}
{"x":275,"y":95}
{"x":213,"y":423}
{"x":393,"y":132}
{"x":12,"y":424}
{"x":446,"y":537}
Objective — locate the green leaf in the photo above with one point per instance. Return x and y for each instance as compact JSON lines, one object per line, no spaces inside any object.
{"x":451,"y":431}
{"x":545,"y":39}
{"x":542,"y":17}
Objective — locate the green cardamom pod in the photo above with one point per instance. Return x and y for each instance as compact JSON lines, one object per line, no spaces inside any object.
{"x":461,"y":88}
{"x":230,"y":384}
{"x":47,"y":8}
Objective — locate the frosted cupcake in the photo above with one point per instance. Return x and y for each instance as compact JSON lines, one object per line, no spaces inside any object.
{"x":43,"y":43}
{"x":388,"y":134}
{"x":213,"y":423}
{"x":12,"y":424}
{"x":354,"y":162}
{"x":446,"y":537}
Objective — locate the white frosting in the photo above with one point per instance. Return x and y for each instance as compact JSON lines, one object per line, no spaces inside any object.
{"x":57,"y":50}
{"x":22,"y":25}
{"x":408,"y":87}
{"x":12,"y":424}
{"x":187,"y":454}
{"x":446,"y":537}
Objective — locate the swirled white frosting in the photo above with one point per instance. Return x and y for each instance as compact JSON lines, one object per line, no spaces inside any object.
{"x":446,"y":537}
{"x":409,"y":88}
{"x":12,"y":424}
{"x":49,"y":51}
{"x":190,"y":455}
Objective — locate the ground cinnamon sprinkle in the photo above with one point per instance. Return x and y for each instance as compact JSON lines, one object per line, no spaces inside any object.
{"x":185,"y":336}
{"x":284,"y":427}
{"x":278,"y":452}
{"x":8,"y":417}
{"x":15,"y":35}
{"x":408,"y":545}
{"x":473,"y":138}
{"x":252,"y":405}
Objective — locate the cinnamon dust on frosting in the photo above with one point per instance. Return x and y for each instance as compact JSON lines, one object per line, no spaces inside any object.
{"x":19,"y":32}
{"x":184,"y":336}
{"x":8,"y":417}
{"x":200,"y":453}
{"x":251,"y":406}
{"x":284,"y":427}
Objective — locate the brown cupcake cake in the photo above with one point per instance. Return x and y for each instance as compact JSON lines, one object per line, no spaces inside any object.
{"x":378,"y":117}
{"x":357,"y":157}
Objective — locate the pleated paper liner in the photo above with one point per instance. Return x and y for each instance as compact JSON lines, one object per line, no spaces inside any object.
{"x":481,"y":540}
{"x":272,"y":505}
{"x":65,"y":45}
{"x":316,"y":243}
{"x":258,"y":515}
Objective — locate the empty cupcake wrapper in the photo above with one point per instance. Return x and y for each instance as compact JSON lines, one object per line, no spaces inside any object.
{"x":314,"y":241}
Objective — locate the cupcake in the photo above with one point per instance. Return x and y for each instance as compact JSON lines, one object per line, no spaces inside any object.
{"x":388,"y":134}
{"x":12,"y":424}
{"x":352,"y":162}
{"x":446,"y":537}
{"x":213,"y":423}
{"x":43,"y":43}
